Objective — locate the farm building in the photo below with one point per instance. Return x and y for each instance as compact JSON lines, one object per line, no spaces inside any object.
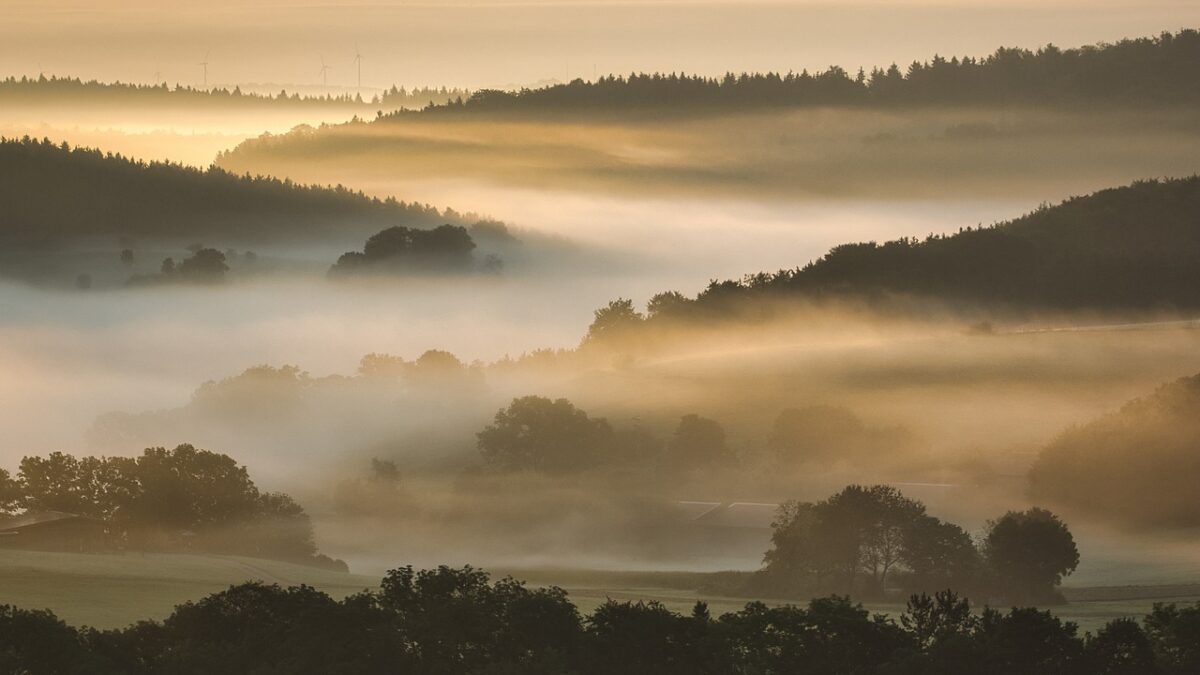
{"x":52,"y":531}
{"x":729,"y":533}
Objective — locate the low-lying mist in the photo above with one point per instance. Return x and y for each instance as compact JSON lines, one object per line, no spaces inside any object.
{"x":115,"y":348}
{"x":148,"y":132}
{"x":953,"y":414}
{"x":789,"y":155}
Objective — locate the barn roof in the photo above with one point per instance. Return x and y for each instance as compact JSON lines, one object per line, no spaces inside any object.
{"x":735,"y":514}
{"x":14,"y":523}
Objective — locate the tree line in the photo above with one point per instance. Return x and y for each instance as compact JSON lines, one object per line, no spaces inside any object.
{"x":553,"y":436}
{"x":538,"y":434}
{"x":1130,"y":73}
{"x":184,"y":498}
{"x":74,"y":91}
{"x":458,"y":621}
{"x":54,"y":191}
{"x":401,"y":97}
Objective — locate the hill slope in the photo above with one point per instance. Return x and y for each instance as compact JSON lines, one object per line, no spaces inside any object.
{"x":1133,"y":247}
{"x":54,"y":193}
{"x":1138,"y":466}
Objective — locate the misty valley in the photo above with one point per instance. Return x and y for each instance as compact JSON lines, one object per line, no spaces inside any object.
{"x":824,"y":370}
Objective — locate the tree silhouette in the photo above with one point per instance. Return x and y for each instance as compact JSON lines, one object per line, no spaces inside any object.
{"x":457,"y":620}
{"x":1030,"y":552}
{"x":698,"y":443}
{"x":1132,"y":72}
{"x":536,"y":433}
{"x":170,"y":499}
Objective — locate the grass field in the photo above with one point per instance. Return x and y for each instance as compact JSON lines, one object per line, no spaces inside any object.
{"x":114,"y":590}
{"x":1088,"y":606}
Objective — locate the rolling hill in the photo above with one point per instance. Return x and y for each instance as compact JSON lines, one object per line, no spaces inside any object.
{"x":1129,"y":248}
{"x":53,"y":194}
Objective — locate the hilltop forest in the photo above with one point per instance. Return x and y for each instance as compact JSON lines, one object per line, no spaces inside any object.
{"x":1131,"y":72}
{"x":61,"y":90}
{"x":53,"y":192}
{"x":1127,"y":248}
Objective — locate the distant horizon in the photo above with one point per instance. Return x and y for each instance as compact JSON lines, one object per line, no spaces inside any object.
{"x":500,"y":44}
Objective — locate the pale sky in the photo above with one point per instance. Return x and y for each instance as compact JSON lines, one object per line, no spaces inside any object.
{"x":500,"y":42}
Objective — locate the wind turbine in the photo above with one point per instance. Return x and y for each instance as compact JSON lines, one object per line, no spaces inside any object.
{"x":324,"y":76}
{"x":204,"y":64}
{"x":358,"y":62}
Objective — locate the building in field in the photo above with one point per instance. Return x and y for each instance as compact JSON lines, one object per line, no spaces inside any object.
{"x":52,"y":531}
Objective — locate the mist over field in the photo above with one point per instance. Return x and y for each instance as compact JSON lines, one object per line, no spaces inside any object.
{"x":673,"y":305}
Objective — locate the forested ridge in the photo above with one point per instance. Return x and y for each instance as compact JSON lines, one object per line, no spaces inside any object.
{"x":56,"y":192}
{"x":1133,"y":246}
{"x":64,"y":90}
{"x":1130,"y":248}
{"x":1132,"y":72}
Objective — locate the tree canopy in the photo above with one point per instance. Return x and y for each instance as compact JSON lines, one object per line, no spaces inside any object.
{"x":873,"y":541}
{"x":539,"y":434}
{"x":459,"y":621}
{"x":182,"y":498}
{"x":1030,"y":552}
{"x":445,"y":248}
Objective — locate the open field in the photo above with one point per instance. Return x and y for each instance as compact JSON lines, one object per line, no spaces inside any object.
{"x":114,"y":590}
{"x":1089,"y":607}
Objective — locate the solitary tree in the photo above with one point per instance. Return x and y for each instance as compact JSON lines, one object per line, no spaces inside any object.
{"x":1030,"y":552}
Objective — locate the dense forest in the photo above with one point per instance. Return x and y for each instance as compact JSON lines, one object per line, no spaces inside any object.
{"x":1128,"y":248}
{"x":72,"y":91}
{"x":456,"y":620}
{"x":53,"y":193}
{"x":1131,"y":72}
{"x":1138,"y":466}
